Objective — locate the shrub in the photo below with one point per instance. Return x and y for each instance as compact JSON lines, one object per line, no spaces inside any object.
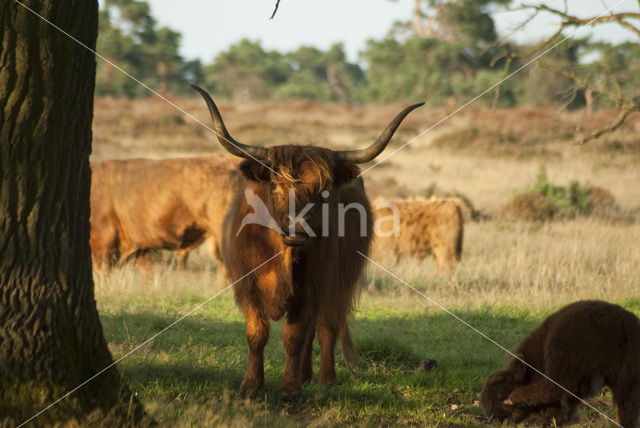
{"x":545,"y":201}
{"x":601,"y":198}
{"x":531,"y":206}
{"x":569,"y":201}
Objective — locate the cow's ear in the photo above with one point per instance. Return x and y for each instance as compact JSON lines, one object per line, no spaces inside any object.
{"x":345,"y":172}
{"x":255,"y":171}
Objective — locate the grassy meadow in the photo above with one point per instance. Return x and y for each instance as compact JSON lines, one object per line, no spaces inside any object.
{"x":512,"y":275}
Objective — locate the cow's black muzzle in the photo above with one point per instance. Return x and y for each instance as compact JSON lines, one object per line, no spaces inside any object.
{"x":297,"y":239}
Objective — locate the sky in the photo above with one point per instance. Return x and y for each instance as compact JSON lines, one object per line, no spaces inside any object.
{"x":209,"y":27}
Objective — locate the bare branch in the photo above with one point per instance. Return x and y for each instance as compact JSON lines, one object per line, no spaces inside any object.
{"x":613,"y":80}
{"x":629,"y":26}
{"x":275,"y":10}
{"x":626,"y":111}
{"x":603,"y":82}
{"x":571,"y":20}
{"x":509,"y":57}
{"x":626,"y":107}
{"x":543,"y":44}
{"x":583,"y":83}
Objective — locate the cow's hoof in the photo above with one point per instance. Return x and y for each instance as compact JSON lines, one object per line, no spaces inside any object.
{"x":425,"y":365}
{"x":290,"y":399}
{"x":307,"y":377}
{"x":290,"y":393}
{"x":249,"y":388}
{"x":327,"y":380}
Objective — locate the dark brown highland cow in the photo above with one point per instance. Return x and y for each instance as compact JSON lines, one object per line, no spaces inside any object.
{"x":582,"y":347}
{"x":312,"y":279}
{"x":140,"y":205}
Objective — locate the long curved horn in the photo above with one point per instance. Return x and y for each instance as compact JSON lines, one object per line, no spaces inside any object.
{"x":232,"y":146}
{"x":365,"y":155}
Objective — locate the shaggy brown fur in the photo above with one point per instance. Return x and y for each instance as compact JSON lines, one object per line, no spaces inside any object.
{"x":314,"y":265}
{"x":582,"y":347}
{"x":315,"y":284}
{"x":434,"y":226}
{"x":139,"y":205}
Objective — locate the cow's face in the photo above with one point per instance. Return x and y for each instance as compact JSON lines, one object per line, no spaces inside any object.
{"x":297,"y":181}
{"x":496,"y":391}
{"x":301,"y":173}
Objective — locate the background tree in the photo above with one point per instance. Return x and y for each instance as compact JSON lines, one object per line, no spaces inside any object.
{"x":323,"y":76}
{"x":445,"y":53}
{"x":246,"y":71}
{"x":466,"y":21}
{"x":596,"y":78}
{"x":437,"y":71}
{"x":51,"y":339}
{"x":130,"y":38}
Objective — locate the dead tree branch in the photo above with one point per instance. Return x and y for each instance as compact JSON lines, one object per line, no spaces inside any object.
{"x":275,"y":10}
{"x":626,"y":111}
{"x":583,"y":83}
{"x":626,"y":107}
{"x":571,"y":20}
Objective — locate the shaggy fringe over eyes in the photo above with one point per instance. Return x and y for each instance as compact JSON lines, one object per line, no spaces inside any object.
{"x":316,"y":175}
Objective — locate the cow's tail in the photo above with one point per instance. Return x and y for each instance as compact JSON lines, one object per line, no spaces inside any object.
{"x":460,"y":211}
{"x":351,"y":358}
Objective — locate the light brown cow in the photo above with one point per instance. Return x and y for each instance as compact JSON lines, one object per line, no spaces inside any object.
{"x":140,"y":205}
{"x":417,"y":228}
{"x":283,"y":268}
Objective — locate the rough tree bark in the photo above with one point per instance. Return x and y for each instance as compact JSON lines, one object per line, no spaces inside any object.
{"x":51,"y":339}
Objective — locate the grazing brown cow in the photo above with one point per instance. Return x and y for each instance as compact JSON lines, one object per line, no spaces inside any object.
{"x":582,"y":347}
{"x":315,"y":264}
{"x":422,"y":227}
{"x":139,"y":205}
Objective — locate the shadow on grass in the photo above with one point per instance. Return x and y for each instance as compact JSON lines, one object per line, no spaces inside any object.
{"x":201,"y":357}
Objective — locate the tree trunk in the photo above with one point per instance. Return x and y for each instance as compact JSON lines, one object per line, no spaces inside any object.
{"x":51,"y":339}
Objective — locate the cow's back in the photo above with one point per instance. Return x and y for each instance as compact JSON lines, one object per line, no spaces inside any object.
{"x":424,"y":227}
{"x":163,"y":203}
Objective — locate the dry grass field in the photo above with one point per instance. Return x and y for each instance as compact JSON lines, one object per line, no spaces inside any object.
{"x":512,"y":274}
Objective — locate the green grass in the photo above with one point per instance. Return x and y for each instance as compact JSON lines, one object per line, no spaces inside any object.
{"x":190,"y":374}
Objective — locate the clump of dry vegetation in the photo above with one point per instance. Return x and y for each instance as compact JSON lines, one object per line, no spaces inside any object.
{"x":528,"y":131}
{"x":143,"y":127}
{"x":545,"y":201}
{"x":530,"y":206}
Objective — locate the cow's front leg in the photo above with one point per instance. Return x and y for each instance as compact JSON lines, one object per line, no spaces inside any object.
{"x":257,"y":337}
{"x":307,"y":358}
{"x":145,"y":260}
{"x":295,"y":337}
{"x":539,"y":393}
{"x":327,"y":338}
